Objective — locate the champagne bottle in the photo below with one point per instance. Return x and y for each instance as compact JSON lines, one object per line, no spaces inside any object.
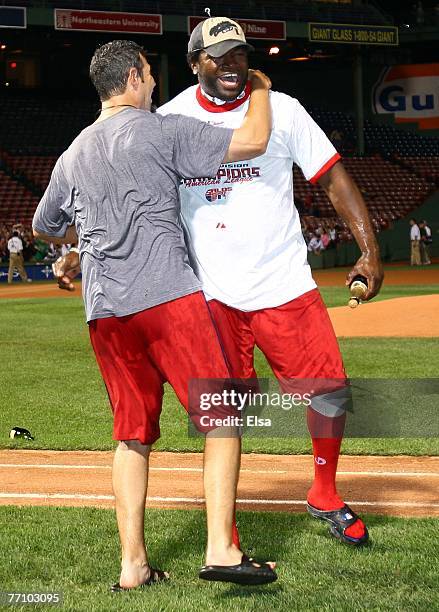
{"x":358,"y":289}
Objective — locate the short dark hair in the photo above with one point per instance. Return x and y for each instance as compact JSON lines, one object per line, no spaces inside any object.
{"x":192,"y":58}
{"x":111,"y":64}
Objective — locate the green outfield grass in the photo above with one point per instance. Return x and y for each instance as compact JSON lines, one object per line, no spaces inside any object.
{"x":337,"y":296}
{"x":50,"y":383}
{"x":75,"y":551}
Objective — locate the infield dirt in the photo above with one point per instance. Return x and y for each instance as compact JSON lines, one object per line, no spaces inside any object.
{"x":404,"y":486}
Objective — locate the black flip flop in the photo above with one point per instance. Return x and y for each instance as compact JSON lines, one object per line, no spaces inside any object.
{"x":155,"y":576}
{"x":245,"y":573}
{"x":339,"y":521}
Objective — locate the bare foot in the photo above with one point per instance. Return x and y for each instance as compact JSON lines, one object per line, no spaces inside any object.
{"x":133,"y":575}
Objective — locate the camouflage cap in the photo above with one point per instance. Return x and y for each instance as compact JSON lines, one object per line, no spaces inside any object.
{"x":217,"y":36}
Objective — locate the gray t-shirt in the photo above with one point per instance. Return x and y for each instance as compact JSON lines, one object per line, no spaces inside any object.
{"x":118,"y":183}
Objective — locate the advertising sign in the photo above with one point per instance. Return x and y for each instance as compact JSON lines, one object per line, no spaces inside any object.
{"x":253,"y":28}
{"x":410,"y":93}
{"x":100,"y":21}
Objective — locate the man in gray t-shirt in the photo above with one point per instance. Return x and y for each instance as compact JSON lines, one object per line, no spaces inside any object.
{"x":118,"y":182}
{"x":116,"y":190}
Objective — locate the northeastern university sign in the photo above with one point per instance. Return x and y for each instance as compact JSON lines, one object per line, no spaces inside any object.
{"x":100,"y":21}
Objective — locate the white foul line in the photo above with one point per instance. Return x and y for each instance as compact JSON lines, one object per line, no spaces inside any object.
{"x":61,"y":466}
{"x":54,"y":466}
{"x":200,"y":500}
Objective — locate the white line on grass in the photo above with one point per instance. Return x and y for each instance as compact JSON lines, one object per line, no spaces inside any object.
{"x":200,"y":500}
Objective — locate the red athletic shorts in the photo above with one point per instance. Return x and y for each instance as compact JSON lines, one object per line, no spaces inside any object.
{"x":175,"y":342}
{"x":297,"y":338}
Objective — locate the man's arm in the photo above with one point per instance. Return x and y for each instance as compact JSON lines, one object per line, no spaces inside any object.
{"x":54,"y":217}
{"x":70,"y":237}
{"x":251,"y":139}
{"x":349,"y":204}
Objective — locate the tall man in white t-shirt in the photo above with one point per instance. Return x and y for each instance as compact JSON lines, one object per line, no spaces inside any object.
{"x":249,"y":252}
{"x":248,"y":249}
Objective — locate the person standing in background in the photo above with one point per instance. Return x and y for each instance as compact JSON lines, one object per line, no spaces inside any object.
{"x":415,"y":244}
{"x":16,"y":261}
{"x":426,"y":240}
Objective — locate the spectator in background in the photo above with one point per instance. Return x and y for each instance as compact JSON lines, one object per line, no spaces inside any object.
{"x":3,"y":248}
{"x":426,"y":240}
{"x":332,"y":233}
{"x":415,"y":242}
{"x":16,"y":261}
{"x":324,"y":237}
{"x":52,"y":253}
{"x":315,"y":244}
{"x":28,"y":244}
{"x":41,"y":249}
{"x":18,"y":227}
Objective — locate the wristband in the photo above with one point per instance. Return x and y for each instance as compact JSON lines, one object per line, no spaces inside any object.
{"x":74,"y":250}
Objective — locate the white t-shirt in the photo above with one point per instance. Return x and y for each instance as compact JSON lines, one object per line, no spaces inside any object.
{"x":415,"y":233}
{"x":15,"y":245}
{"x":244,"y":230}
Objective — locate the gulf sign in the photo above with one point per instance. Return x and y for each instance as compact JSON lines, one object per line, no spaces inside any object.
{"x":410,"y":93}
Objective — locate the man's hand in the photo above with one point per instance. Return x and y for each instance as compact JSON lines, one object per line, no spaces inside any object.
{"x":251,"y":139}
{"x":372,"y":269}
{"x":65,"y":269}
{"x":258,"y":80}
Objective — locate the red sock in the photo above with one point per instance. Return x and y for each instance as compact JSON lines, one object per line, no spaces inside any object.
{"x":323,"y":493}
{"x":235,"y":533}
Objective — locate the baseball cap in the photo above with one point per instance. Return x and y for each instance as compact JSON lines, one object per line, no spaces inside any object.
{"x":217,"y":36}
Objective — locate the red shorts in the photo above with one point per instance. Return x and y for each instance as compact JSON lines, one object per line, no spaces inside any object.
{"x":175,"y":342}
{"x":297,"y":338}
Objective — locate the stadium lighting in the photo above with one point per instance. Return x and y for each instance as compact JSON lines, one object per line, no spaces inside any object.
{"x":13,"y":65}
{"x":274,"y":51}
{"x":305,"y":58}
{"x":3,"y":47}
{"x":6,"y":84}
